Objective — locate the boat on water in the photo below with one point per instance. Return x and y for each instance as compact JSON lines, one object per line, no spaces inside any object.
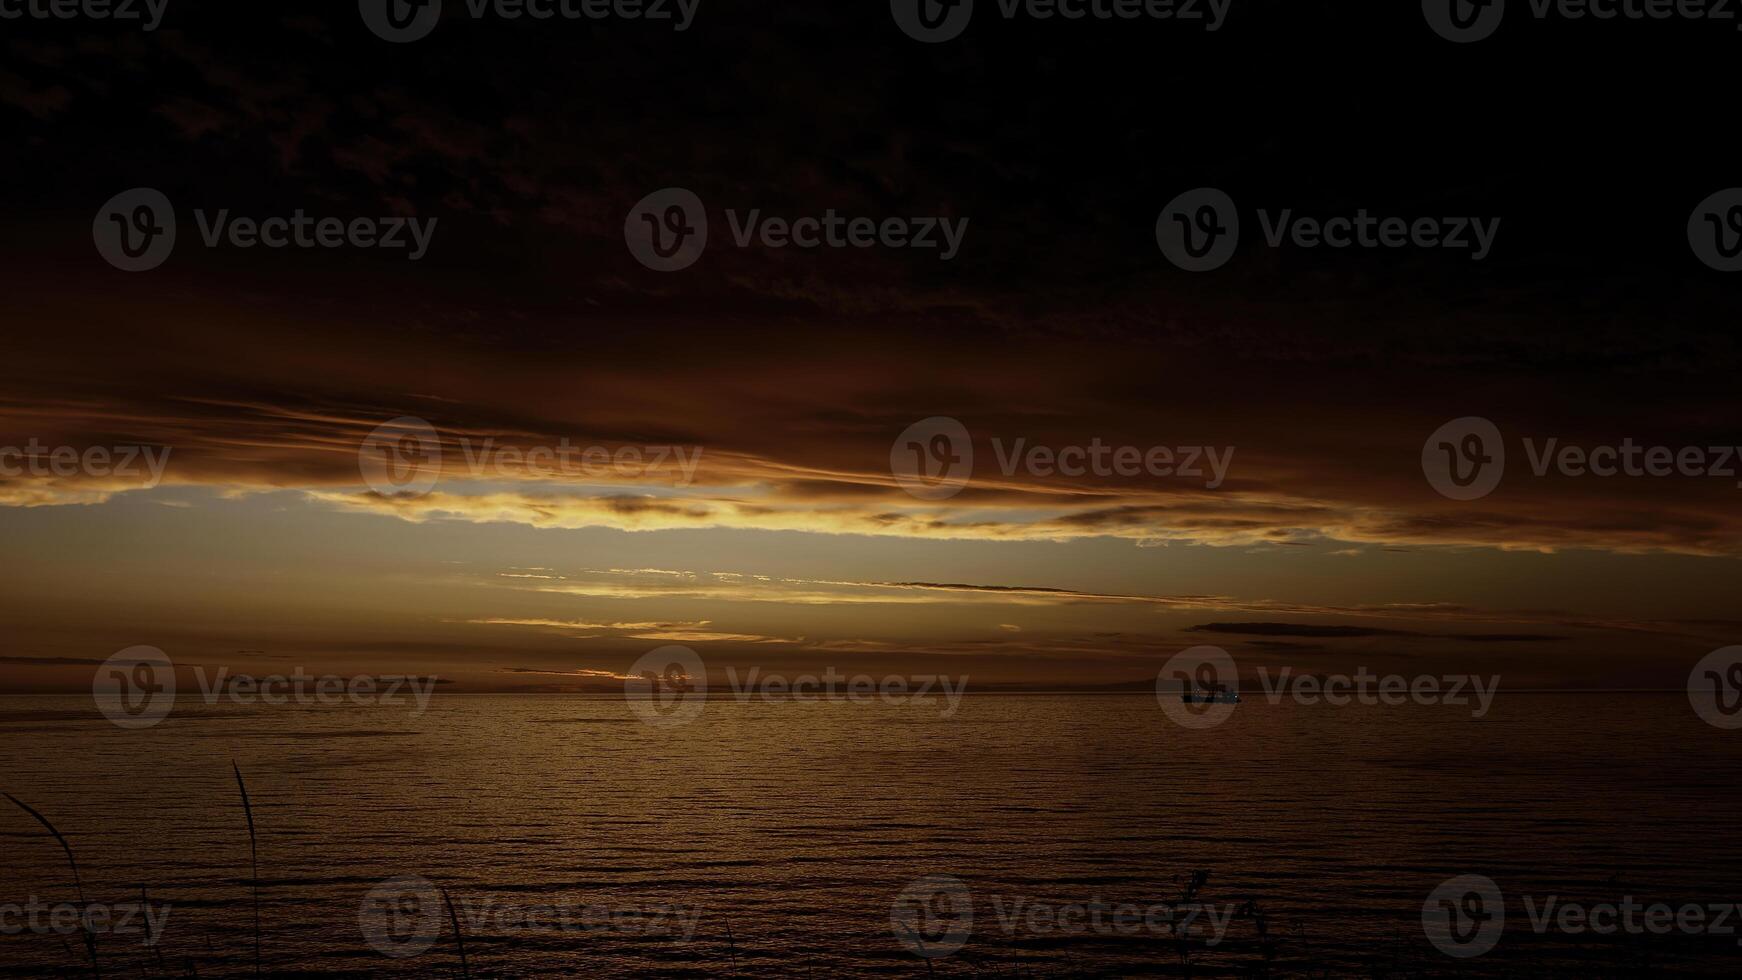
{"x":1217,"y":696}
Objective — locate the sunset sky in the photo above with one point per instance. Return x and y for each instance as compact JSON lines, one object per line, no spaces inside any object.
{"x":792,"y":373}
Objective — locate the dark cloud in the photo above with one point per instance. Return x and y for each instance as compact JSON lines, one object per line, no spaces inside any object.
{"x":1060,"y":323}
{"x":1505,"y":638}
{"x":1295,"y":629}
{"x":49,"y":661}
{"x":1317,"y":631}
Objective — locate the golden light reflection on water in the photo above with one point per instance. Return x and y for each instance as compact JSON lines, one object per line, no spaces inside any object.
{"x":799,"y":823}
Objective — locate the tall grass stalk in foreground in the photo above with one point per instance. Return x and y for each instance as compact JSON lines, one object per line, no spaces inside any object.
{"x":78,"y":885}
{"x":459,"y":937}
{"x":1189,"y":897}
{"x":1266,"y":942}
{"x":156,"y":940}
{"x":920,"y":944}
{"x":253,"y":861}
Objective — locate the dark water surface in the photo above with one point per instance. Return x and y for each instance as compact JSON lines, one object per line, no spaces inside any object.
{"x":797,"y":825}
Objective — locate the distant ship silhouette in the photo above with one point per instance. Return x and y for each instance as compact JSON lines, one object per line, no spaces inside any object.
{"x":1216,"y":695}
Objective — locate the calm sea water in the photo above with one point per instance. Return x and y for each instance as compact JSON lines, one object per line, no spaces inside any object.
{"x":775,"y":838}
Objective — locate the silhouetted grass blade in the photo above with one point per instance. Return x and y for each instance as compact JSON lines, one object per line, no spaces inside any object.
{"x":459,"y":937}
{"x":78,"y":884}
{"x":253,"y":861}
